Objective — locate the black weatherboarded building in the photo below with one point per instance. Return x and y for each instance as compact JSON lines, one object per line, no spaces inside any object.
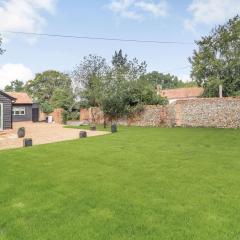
{"x":16,"y":107}
{"x":6,"y":102}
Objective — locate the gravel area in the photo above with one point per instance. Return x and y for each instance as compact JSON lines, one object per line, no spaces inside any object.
{"x":41,"y":133}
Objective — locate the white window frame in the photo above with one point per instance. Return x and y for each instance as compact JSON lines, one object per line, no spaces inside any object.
{"x":21,"y":111}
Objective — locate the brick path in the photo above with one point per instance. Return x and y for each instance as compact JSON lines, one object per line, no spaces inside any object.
{"x":41,"y":133}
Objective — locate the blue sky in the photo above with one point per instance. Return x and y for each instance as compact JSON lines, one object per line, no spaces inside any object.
{"x":161,"y":20}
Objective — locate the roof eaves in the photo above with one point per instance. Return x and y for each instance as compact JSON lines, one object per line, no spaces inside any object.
{"x":7,"y":95}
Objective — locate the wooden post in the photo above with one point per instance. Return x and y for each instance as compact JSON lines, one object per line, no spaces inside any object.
{"x":220,"y":91}
{"x":21,"y":132}
{"x":93,"y":128}
{"x":114,"y":128}
{"x":82,"y":134}
{"x":27,"y":142}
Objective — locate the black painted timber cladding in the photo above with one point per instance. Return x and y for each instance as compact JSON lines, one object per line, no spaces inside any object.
{"x":7,"y":111}
{"x":28,"y":113}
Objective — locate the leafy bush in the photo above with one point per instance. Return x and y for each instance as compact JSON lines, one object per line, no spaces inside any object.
{"x":64,"y":117}
{"x":74,"y":116}
{"x":46,"y":107}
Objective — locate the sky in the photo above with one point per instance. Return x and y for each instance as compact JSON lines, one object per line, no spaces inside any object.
{"x":158,"y":20}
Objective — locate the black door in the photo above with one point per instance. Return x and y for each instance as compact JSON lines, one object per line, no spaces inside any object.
{"x":35,"y":114}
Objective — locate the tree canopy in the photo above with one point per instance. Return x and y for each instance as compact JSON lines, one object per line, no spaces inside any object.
{"x":164,"y":80}
{"x":51,"y":89}
{"x":15,"y":86}
{"x":117,"y":88}
{"x":217,"y":60}
{"x":88,"y":79}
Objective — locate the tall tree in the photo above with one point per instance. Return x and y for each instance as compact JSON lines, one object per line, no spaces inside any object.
{"x":127,"y":70}
{"x":119,"y":60}
{"x":217,"y":60}
{"x":15,"y":86}
{"x":46,"y":89}
{"x":126,"y":92}
{"x":89,"y":77}
{"x":118,"y":89}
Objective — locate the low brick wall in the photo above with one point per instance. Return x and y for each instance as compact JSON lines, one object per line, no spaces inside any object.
{"x":202,"y":112}
{"x":56,"y":114}
{"x":84,"y":115}
{"x":151,"y":116}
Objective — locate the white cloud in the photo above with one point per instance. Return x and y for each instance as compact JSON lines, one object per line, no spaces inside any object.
{"x":158,"y":10}
{"x":24,"y":15}
{"x":10,"y":72}
{"x":136,"y":10}
{"x":209,"y":12}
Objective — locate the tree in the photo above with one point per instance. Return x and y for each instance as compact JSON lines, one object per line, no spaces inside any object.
{"x":51,"y":89}
{"x":15,"y":86}
{"x":89,"y":78}
{"x":119,"y":61}
{"x":117,"y":89}
{"x":125,"y":92}
{"x":62,"y":98}
{"x":1,"y":50}
{"x":217,"y":60}
{"x":164,"y":80}
{"x":127,"y":70}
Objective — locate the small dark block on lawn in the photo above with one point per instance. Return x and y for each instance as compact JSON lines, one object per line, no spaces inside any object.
{"x":114,"y":128}
{"x":93,"y":128}
{"x":27,"y":142}
{"x":82,"y":134}
{"x":21,"y":132}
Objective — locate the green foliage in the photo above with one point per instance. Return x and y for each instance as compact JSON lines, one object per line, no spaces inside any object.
{"x":119,"y":61}
{"x":15,"y":86}
{"x":88,"y":78}
{"x":164,"y":80}
{"x":52,"y":88}
{"x":125,"y":92}
{"x":190,"y":84}
{"x":65,"y":116}
{"x":217,"y":60}
{"x":114,"y":106}
{"x":124,"y":69}
{"x":46,"y":107}
{"x":141,"y":91}
{"x":118,"y":89}
{"x":75,"y":115}
{"x":62,"y":98}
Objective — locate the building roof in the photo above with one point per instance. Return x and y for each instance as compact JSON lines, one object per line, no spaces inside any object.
{"x":7,"y":95}
{"x":21,"y":97}
{"x":182,"y":93}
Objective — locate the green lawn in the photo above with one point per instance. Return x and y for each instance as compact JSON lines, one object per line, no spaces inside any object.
{"x":87,"y":127}
{"x":141,"y":183}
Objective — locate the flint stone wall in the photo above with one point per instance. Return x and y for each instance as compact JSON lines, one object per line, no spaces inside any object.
{"x":201,"y":112}
{"x":208,"y":112}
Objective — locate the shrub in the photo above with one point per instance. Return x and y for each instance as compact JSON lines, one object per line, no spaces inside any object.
{"x":64,"y":117}
{"x":74,"y":116}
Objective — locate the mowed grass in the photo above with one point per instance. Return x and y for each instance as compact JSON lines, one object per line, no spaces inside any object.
{"x":141,"y":183}
{"x":99,"y":127}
